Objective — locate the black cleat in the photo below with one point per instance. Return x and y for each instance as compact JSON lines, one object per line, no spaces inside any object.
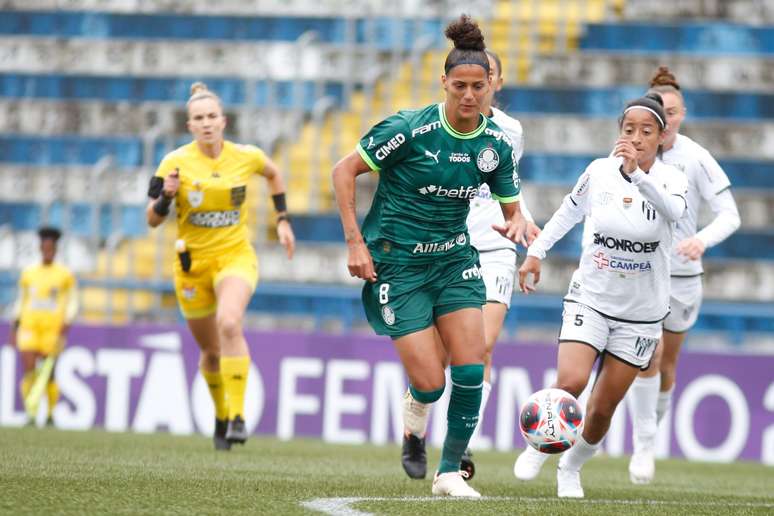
{"x":236,"y":432}
{"x":219,"y":437}
{"x":467,"y":468}
{"x":50,"y":422}
{"x":414,"y":456}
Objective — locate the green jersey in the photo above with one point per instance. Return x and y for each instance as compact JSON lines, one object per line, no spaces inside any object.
{"x":428,"y":174}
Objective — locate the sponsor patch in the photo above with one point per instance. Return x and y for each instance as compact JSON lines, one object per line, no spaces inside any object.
{"x":238,"y":195}
{"x":214,"y":219}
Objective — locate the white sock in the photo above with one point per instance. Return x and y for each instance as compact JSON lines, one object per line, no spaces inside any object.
{"x":487,"y":388}
{"x":415,"y":415}
{"x":664,"y":403}
{"x":477,"y":441}
{"x":644,"y":393}
{"x":576,"y":457}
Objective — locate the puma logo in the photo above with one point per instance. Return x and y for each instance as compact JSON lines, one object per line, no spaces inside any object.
{"x":370,"y":143}
{"x":431,"y":155}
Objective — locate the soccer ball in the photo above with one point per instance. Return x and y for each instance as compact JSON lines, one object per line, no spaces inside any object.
{"x":550,"y":420}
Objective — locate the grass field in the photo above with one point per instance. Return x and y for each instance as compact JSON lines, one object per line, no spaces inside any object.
{"x":45,"y":471}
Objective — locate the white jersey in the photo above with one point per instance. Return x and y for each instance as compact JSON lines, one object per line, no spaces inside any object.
{"x":708,"y":182}
{"x":624,"y":268}
{"x":484,"y":210}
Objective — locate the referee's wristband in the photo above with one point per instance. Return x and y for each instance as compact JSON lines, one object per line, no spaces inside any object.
{"x":280,"y":204}
{"x":161,"y":206}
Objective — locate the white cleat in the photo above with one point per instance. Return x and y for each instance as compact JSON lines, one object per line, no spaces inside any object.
{"x":528,"y":464}
{"x":452,"y":484}
{"x":568,"y":484}
{"x":642,"y":467}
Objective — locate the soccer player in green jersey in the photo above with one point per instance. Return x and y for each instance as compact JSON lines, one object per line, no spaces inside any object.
{"x":414,"y":249}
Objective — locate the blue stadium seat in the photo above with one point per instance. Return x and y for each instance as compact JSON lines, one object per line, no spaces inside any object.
{"x":707,"y":38}
{"x":78,"y":218}
{"x":140,"y":89}
{"x":383,"y":33}
{"x":609,"y":102}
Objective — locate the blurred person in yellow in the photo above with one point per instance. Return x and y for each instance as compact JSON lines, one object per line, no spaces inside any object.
{"x":44,"y":310}
{"x":217,"y":269}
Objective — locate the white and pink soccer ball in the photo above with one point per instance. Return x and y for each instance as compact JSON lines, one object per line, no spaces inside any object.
{"x":550,"y":420}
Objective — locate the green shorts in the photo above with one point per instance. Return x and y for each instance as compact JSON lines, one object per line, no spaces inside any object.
{"x":408,"y":298}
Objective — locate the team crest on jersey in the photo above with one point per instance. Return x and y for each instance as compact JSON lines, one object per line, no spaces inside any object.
{"x":238,"y":195}
{"x":649,"y":210}
{"x":627,"y":202}
{"x":388,"y":315}
{"x":189,"y":292}
{"x":195,"y":198}
{"x":487,"y":160}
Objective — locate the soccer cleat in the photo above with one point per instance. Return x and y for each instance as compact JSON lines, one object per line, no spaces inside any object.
{"x":568,"y":484}
{"x":467,"y":468}
{"x":452,"y":484}
{"x":528,"y":464}
{"x":414,"y":456}
{"x":50,"y":422}
{"x":236,"y":431}
{"x":642,"y":467}
{"x":219,"y":437}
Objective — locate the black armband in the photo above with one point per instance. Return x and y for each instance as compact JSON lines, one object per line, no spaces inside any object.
{"x":280,"y":204}
{"x":161,"y":206}
{"x":155,"y":187}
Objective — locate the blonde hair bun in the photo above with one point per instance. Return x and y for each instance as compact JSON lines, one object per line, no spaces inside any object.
{"x":198,"y":87}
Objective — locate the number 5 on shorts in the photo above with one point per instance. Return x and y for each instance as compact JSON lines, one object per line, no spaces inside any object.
{"x":578,"y":319}
{"x":384,"y":297}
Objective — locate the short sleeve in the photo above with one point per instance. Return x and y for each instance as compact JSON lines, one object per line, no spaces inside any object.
{"x":504,"y":182}
{"x":254,"y":156}
{"x":386,"y":143}
{"x":166,"y":166}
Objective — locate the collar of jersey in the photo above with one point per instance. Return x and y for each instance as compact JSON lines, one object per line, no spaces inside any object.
{"x":202,"y":155}
{"x":449,"y":129}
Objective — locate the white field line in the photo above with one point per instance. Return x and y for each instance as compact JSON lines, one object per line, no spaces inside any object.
{"x":341,"y":506}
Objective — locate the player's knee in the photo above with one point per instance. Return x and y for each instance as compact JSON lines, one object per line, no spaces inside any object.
{"x":573,"y":384}
{"x":427,"y":393}
{"x":229,"y":325}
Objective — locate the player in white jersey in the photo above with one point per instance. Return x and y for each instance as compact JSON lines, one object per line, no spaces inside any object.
{"x":497,"y":257}
{"x":619,"y":295}
{"x":652,"y":391}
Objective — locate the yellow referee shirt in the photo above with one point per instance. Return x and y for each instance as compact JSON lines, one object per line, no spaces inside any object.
{"x":211,"y":218}
{"x":47,"y":296}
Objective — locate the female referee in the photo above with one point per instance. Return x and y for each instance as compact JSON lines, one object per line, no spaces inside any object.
{"x":652,"y":391}
{"x":414,"y":250}
{"x":619,"y":295}
{"x":217,"y":269}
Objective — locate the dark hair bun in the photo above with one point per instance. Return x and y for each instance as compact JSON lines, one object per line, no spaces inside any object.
{"x":465,"y":34}
{"x":49,"y":232}
{"x":664,"y":77}
{"x":655,"y":97}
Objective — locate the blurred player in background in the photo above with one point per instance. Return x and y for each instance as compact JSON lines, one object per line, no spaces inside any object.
{"x":497,"y":256}
{"x":619,"y":295}
{"x":44,"y":310}
{"x":652,"y":391}
{"x":414,"y":251}
{"x":217,"y":269}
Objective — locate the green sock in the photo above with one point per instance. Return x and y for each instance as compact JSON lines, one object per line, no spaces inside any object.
{"x":462,"y":416}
